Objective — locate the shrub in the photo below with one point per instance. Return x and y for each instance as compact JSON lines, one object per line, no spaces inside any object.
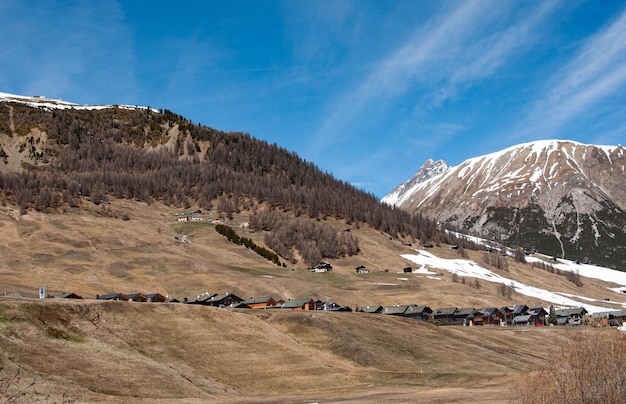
{"x":589,"y":368}
{"x":13,"y":389}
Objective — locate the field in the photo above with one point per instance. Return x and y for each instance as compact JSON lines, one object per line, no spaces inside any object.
{"x":118,"y":351}
{"x":91,"y":351}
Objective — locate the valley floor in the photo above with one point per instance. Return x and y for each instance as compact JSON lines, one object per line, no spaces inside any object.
{"x":93,"y":351}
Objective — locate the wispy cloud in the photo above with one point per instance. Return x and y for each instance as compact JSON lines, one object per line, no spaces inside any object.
{"x":483,"y":57}
{"x":87,"y":52}
{"x":595,"y":73}
{"x":457,"y":48}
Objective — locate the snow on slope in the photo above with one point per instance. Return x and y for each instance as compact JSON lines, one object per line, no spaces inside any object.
{"x":469,"y":268}
{"x":48,"y":104}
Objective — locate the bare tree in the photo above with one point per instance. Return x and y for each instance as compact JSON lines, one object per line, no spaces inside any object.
{"x":589,"y":368}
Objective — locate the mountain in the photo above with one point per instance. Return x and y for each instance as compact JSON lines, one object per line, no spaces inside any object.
{"x":427,"y":171}
{"x":563,"y":198}
{"x":55,"y":155}
{"x":91,"y":199}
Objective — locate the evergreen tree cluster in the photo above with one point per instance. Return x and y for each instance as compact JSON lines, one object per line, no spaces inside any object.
{"x":91,"y":158}
{"x":312,"y":240}
{"x":232,"y":236}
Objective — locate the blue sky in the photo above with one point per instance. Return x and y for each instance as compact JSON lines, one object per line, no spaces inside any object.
{"x":366,"y":90}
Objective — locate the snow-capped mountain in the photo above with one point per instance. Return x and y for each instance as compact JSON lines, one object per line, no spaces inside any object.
{"x":562,"y":197}
{"x":427,"y":171}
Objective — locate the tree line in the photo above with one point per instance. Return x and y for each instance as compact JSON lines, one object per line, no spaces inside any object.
{"x":232,"y":236}
{"x":311,"y":240}
{"x":90,"y":155}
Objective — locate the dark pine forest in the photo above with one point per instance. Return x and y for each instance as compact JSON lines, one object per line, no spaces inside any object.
{"x":144,"y":155}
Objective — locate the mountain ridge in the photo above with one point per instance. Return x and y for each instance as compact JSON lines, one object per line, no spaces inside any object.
{"x":55,"y":155}
{"x":576,"y":191}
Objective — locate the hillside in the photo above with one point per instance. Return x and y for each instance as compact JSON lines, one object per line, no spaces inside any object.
{"x":116,"y":352}
{"x":94,"y":250}
{"x":92,"y":209}
{"x":90,"y":203}
{"x":562,"y":198}
{"x":56,"y":156}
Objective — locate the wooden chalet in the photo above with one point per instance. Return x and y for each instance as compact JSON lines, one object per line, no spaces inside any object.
{"x":197,"y":217}
{"x":258,"y":302}
{"x":570,"y":316}
{"x":222,"y":300}
{"x":395,"y":310}
{"x":322,"y":267}
{"x":370,"y":309}
{"x":535,"y":316}
{"x":524,"y":319}
{"x":461,"y":315}
{"x":332,"y":306}
{"x":199,"y":299}
{"x":408,"y":310}
{"x":614,"y":318}
{"x":299,"y":304}
{"x":487,"y":316}
{"x":508,"y":313}
{"x":520,"y":310}
{"x":137,"y":297}
{"x":418,"y":311}
{"x":113,"y":296}
{"x":19,"y":293}
{"x":67,"y":296}
{"x":452,"y":315}
{"x":444,"y":316}
{"x":156,"y":298}
{"x":539,"y":315}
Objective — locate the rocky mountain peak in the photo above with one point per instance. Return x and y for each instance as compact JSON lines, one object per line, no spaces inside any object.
{"x":428,"y":170}
{"x":567,"y":196}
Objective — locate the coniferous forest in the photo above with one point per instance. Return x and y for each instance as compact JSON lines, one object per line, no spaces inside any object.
{"x":84,"y":156}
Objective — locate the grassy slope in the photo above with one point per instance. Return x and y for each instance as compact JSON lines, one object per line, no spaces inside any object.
{"x":93,"y":351}
{"x":93,"y":251}
{"x":115,"y":351}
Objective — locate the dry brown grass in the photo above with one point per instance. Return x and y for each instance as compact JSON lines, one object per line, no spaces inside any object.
{"x":590,"y":367}
{"x":92,"y":251}
{"x":118,"y":351}
{"x":115,"y":352}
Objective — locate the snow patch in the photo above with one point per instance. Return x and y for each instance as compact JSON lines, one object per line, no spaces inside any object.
{"x":49,"y":104}
{"x":469,"y":268}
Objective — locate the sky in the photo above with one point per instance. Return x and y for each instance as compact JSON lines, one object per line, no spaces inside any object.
{"x":366,"y":90}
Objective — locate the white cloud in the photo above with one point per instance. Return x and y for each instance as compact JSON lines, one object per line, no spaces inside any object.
{"x":456,"y":48}
{"x":596,"y":72}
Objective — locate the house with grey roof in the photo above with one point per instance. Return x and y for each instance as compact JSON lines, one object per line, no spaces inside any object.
{"x":67,"y":296}
{"x":299,"y":304}
{"x":113,"y":296}
{"x":370,"y":309}
{"x":258,"y":302}
{"x":570,"y":316}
